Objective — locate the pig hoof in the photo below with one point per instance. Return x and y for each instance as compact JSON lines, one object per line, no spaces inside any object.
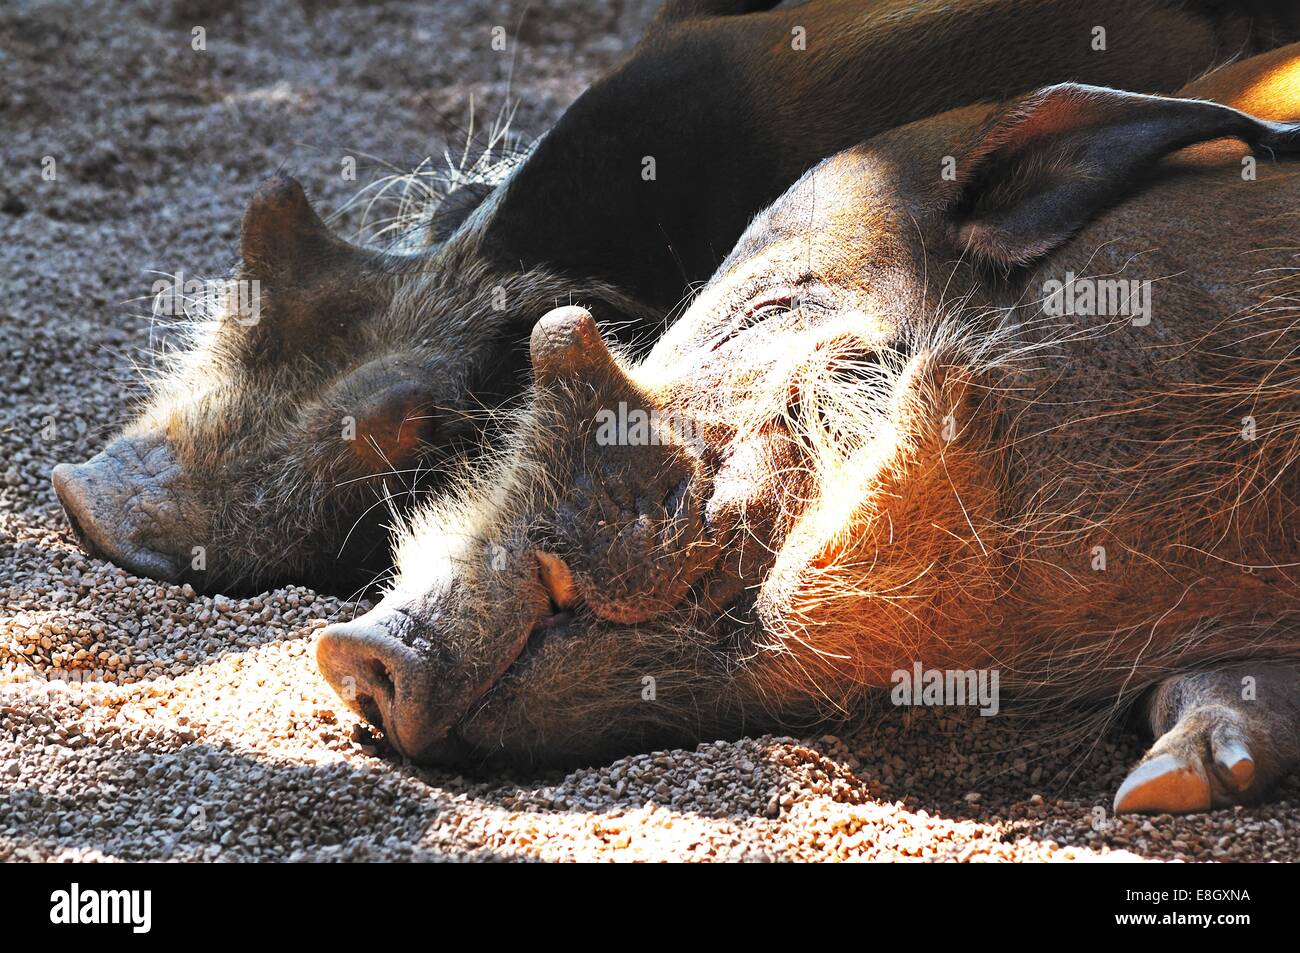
{"x":1164,"y":785}
{"x":1204,"y":761}
{"x":1233,"y":761}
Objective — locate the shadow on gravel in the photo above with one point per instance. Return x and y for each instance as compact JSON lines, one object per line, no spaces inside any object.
{"x":206,"y":802}
{"x":202,"y":801}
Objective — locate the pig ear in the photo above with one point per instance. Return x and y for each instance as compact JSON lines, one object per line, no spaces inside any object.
{"x":566,"y":347}
{"x":390,"y":412}
{"x":1047,"y":165}
{"x":392,"y":424}
{"x":285,"y":241}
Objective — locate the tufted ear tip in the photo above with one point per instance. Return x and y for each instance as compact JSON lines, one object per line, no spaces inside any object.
{"x":278,"y":217}
{"x":284,"y":240}
{"x":278,"y":193}
{"x":566,"y":345}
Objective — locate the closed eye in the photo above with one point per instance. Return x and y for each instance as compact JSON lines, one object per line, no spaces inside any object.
{"x":763,"y":309}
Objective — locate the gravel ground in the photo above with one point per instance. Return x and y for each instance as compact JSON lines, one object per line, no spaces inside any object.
{"x":141,"y":721}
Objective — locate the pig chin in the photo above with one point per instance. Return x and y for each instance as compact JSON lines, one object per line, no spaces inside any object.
{"x":123,"y":504}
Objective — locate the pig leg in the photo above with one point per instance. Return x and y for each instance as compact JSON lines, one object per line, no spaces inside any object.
{"x":1223,"y":737}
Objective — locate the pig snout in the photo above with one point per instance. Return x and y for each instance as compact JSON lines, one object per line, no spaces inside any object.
{"x":122,"y":506}
{"x":422,"y":668}
{"x":383,"y":680}
{"x":416,"y":697}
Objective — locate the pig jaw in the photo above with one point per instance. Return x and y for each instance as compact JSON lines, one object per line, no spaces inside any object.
{"x":124,"y":505}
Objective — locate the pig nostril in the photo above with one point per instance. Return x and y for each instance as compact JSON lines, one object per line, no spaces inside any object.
{"x":369,"y":710}
{"x":64,"y":489}
{"x":78,"y":532}
{"x":365,"y":662}
{"x":382,"y":679}
{"x":385,"y":680}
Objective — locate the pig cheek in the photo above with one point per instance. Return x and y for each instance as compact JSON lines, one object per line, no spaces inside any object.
{"x":752,"y":507}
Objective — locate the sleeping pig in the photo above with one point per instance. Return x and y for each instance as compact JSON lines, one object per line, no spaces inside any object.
{"x":1010,"y":390}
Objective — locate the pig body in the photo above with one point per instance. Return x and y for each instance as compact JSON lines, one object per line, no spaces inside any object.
{"x":277,"y":449}
{"x":904,"y":431}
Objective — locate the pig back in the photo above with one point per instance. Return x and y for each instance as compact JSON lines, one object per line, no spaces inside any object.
{"x":1157,"y":425}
